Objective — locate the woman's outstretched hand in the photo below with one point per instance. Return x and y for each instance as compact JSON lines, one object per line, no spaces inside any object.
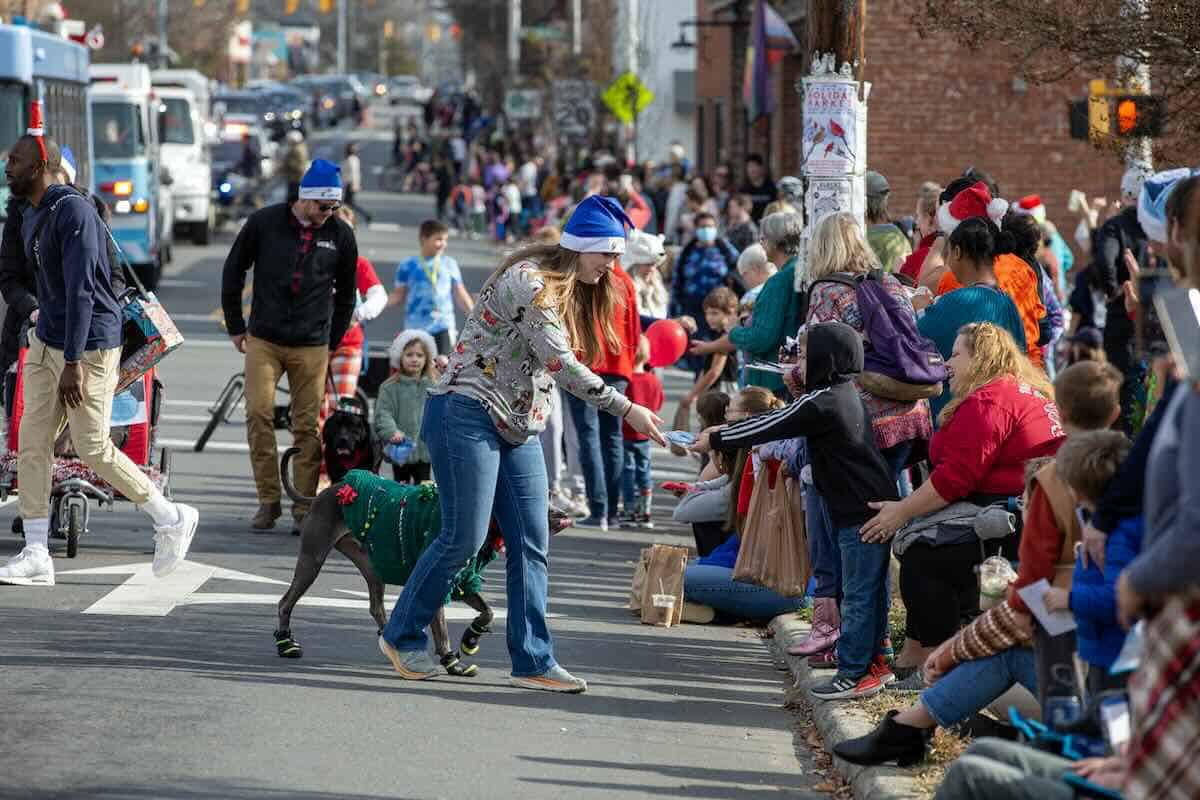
{"x":645,"y":422}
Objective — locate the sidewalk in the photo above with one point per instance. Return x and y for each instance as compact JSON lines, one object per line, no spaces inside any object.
{"x":838,"y":720}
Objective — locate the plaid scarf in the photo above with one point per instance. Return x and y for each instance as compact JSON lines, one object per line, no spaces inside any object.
{"x":1165,"y":698}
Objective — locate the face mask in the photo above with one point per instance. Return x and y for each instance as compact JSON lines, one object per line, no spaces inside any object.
{"x":706,"y":234}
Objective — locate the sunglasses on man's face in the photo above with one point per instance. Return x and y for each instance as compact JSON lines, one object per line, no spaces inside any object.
{"x":328,"y":208}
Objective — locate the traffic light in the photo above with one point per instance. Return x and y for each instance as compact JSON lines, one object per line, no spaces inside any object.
{"x":243,"y":6}
{"x":326,"y":6}
{"x":1139,"y":115}
{"x":291,"y":6}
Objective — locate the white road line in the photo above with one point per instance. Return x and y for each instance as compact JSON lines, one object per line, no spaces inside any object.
{"x":390,"y":227}
{"x":216,"y":447}
{"x":186,"y":417}
{"x":191,"y":341}
{"x":186,"y":317}
{"x":194,"y":403}
{"x":174,"y":283}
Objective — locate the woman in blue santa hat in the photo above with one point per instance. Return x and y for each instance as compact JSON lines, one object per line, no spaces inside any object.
{"x":538,"y":321}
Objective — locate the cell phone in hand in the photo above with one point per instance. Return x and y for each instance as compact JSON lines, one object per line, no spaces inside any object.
{"x":680,"y":438}
{"x":1179,"y":312}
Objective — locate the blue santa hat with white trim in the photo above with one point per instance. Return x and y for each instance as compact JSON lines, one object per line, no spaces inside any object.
{"x":68,"y":163}
{"x":322,"y":181}
{"x":597,"y":225}
{"x":1152,"y":201}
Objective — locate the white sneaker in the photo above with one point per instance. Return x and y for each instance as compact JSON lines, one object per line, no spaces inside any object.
{"x":171,"y":542}
{"x":30,"y":567}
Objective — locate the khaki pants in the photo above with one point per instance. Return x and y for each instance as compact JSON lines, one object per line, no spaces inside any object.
{"x":305,"y":368}
{"x":43,"y":417}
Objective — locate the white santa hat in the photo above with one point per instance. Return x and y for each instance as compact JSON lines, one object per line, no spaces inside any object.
{"x":404,"y":339}
{"x":974,"y":201}
{"x":1031,"y":205}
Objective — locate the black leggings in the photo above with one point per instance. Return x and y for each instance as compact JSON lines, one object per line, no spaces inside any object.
{"x":416,"y":472}
{"x":940,"y":589}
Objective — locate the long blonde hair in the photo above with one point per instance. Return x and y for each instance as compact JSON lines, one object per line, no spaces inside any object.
{"x":994,"y":354}
{"x":837,"y":245}
{"x":580,"y":305}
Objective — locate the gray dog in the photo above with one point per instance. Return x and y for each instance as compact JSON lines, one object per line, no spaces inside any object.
{"x":325,"y":527}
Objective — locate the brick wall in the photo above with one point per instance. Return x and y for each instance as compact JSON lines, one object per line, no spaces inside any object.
{"x":935,"y":109}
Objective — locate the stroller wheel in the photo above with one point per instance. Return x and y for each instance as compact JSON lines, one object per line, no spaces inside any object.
{"x":74,"y":529}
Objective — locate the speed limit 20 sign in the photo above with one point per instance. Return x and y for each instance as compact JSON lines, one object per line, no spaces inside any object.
{"x":574,"y":107}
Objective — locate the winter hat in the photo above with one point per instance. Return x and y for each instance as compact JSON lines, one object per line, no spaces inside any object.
{"x":643,"y":248}
{"x":1088,"y":337}
{"x":68,"y":164}
{"x":597,"y":225}
{"x":37,"y":128}
{"x":1152,"y":202}
{"x":792,"y":189}
{"x":1031,"y":205}
{"x":974,"y":201}
{"x":406,"y":337}
{"x":322,"y":181}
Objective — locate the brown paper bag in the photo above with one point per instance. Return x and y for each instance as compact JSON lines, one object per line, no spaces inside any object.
{"x":662,"y":594}
{"x":639,"y":582}
{"x":774,"y":549}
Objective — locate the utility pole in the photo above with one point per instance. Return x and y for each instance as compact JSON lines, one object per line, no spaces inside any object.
{"x":514,"y":41}
{"x":163,"y":63}
{"x":576,"y":24}
{"x":342,"y":6}
{"x":1138,"y":153}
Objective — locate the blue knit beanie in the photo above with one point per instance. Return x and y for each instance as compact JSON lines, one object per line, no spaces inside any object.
{"x":597,"y":225}
{"x":1152,"y":202}
{"x":68,"y":163}
{"x":323,"y":181}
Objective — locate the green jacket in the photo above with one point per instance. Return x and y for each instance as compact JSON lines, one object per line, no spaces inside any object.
{"x":776,"y":316}
{"x":400,"y":407}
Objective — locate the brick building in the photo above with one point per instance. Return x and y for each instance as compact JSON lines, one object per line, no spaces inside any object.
{"x":935,"y":108}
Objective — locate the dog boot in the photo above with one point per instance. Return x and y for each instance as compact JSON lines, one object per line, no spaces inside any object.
{"x":287,"y":646}
{"x":454,"y":666}
{"x":471,"y":637}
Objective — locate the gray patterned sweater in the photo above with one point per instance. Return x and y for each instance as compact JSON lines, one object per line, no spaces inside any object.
{"x":511,"y":353}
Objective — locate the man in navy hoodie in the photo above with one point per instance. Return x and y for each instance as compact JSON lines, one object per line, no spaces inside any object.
{"x":71,"y":367}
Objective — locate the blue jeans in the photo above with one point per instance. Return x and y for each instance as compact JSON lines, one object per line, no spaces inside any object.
{"x":822,"y":546}
{"x":636,"y":478}
{"x":479,"y":474}
{"x":970,"y":686}
{"x":714,"y":586}
{"x":864,"y":601}
{"x":601,"y":451}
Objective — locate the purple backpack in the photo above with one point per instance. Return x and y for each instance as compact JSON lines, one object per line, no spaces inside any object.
{"x":898,"y":362}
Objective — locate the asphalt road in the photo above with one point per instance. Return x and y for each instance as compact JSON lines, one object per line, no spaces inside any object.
{"x":120,"y":686}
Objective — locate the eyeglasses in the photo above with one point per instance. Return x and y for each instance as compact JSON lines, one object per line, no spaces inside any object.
{"x":328,"y":208}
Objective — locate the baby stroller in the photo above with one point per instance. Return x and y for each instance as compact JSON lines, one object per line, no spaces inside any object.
{"x":135,"y":423}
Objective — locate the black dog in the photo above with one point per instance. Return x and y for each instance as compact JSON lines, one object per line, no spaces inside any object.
{"x":348,"y":442}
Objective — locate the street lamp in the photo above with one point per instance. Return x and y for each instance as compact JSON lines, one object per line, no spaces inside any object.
{"x":683,"y":43}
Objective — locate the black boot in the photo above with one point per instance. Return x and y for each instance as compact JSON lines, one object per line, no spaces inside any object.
{"x":890,"y":741}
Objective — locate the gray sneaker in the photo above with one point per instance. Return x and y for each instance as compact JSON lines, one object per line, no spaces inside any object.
{"x":555,"y":679}
{"x":413,"y":665}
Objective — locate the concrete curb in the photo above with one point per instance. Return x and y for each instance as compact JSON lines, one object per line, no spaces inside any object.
{"x":837,"y":721}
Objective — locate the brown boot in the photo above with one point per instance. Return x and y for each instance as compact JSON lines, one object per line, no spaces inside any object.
{"x":264,"y":518}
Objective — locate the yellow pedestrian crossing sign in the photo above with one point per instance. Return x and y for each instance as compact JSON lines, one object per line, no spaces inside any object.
{"x":627,"y":96}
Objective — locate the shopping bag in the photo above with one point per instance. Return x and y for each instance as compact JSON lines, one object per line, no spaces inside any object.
{"x":639,"y":581}
{"x":662,"y":594}
{"x":774,"y":549}
{"x":149,"y":335}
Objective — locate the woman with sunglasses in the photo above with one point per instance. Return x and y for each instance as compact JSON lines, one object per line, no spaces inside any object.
{"x":305,"y":262}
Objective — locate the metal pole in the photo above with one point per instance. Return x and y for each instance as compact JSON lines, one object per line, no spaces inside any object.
{"x":341,"y":35}
{"x":514,"y":40}
{"x":576,"y":24}
{"x":162,"y":35}
{"x":1139,"y":153}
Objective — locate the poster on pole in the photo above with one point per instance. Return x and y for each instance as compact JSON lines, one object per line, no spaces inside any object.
{"x":830,"y":143}
{"x":523,"y":103}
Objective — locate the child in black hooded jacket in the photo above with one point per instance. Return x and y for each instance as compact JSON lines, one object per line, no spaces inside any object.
{"x":849,"y":472}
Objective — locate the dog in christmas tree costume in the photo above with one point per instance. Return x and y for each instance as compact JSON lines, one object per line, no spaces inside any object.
{"x":383,"y":527}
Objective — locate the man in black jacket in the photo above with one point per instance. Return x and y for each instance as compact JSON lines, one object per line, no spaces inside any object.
{"x":71,"y":369}
{"x":1108,"y":274}
{"x":304,"y":260}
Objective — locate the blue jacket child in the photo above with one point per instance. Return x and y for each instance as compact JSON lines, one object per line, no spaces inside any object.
{"x":1099,"y":635}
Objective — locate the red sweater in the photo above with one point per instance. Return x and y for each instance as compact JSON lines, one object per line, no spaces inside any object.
{"x":645,"y":389}
{"x":628,"y":326}
{"x":916,"y":259}
{"x":364,"y":279}
{"x":984,"y":446}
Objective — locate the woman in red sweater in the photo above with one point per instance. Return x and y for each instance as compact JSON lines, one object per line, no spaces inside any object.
{"x":1002,"y":414}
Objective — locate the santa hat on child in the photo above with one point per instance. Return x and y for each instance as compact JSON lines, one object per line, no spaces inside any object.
{"x":974,"y":201}
{"x":404,"y":339}
{"x":597,"y":225}
{"x":37,"y":128}
{"x":1031,"y":205}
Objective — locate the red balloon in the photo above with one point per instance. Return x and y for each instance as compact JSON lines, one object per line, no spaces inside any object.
{"x":668,"y":342}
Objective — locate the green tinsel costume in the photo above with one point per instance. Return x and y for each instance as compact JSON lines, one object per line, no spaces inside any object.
{"x":395,"y":522}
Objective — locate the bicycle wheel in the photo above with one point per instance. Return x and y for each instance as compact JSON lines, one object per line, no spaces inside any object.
{"x":223,"y":408}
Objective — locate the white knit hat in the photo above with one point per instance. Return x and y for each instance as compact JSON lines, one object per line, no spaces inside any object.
{"x":406,"y":337}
